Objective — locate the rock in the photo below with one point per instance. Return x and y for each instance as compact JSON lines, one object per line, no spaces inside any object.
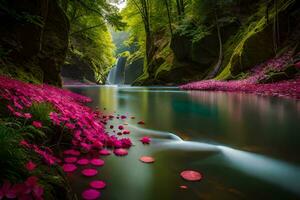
{"x":256,"y":49}
{"x":34,"y":33}
{"x":78,"y":69}
{"x":133,"y":70}
{"x":54,"y":43}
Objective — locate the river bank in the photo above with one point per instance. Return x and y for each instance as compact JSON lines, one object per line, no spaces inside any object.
{"x":277,"y":77}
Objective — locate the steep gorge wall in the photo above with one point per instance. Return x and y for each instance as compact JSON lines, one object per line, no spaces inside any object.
{"x":247,"y":40}
{"x":33,"y":40}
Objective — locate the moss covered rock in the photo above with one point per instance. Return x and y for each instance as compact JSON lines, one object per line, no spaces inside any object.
{"x":34,"y":39}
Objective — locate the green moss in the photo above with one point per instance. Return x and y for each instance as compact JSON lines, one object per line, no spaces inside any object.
{"x":235,"y":49}
{"x":31,"y":75}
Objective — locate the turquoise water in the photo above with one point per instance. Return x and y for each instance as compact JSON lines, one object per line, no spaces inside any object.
{"x":246,"y":146}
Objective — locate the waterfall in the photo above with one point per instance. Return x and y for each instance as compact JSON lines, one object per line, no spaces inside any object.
{"x":116,"y":75}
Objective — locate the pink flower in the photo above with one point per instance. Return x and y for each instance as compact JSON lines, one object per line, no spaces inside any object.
{"x":37,"y":190}
{"x":18,"y":114}
{"x":6,"y":191}
{"x":37,"y":124}
{"x":54,"y":117}
{"x":10,"y":108}
{"x":145,"y":140}
{"x":126,"y":142}
{"x":30,"y":166}
{"x":70,"y":126}
{"x":24,"y":143}
{"x":27,"y":115}
{"x":121,"y":127}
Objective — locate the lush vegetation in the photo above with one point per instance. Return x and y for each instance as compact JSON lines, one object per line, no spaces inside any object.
{"x":184,"y":40}
{"x":90,"y":39}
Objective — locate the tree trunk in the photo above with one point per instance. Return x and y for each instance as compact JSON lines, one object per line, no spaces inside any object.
{"x":169,"y":16}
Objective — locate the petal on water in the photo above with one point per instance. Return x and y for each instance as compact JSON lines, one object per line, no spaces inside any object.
{"x":70,"y":159}
{"x":89,"y":172}
{"x":191,"y":175}
{"x":83,"y":161}
{"x":147,"y":159}
{"x":97,"y":184}
{"x":69,"y":167}
{"x":104,"y":152}
{"x":120,"y":152}
{"x":97,"y":162}
{"x":90,"y":194}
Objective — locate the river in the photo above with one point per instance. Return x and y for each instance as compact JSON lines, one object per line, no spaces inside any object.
{"x":246,"y":146}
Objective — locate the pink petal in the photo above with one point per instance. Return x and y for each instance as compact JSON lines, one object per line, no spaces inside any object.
{"x":184,"y":187}
{"x":98,"y":184}
{"x":97,"y":162}
{"x":30,"y":166}
{"x":70,"y":159}
{"x":104,"y":152}
{"x":37,"y":124}
{"x":145,"y":140}
{"x":83,"y":161}
{"x":147,"y":159}
{"x":72,"y":152}
{"x":89,"y":172}
{"x":90,"y":194}
{"x":191,"y":175}
{"x":69,"y":167}
{"x":120,"y":152}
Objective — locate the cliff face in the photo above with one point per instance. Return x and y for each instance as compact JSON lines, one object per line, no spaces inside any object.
{"x":250,"y":34}
{"x":33,"y":40}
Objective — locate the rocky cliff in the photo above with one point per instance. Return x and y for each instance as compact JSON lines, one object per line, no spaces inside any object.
{"x":33,"y":40}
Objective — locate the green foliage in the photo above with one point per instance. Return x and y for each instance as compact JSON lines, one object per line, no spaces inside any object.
{"x":23,"y":17}
{"x":256,"y":23}
{"x":41,"y":111}
{"x":12,"y":156}
{"x":90,"y":38}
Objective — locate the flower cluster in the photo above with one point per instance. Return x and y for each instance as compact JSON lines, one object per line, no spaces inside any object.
{"x":82,"y":122}
{"x":30,"y":189}
{"x":289,"y":89}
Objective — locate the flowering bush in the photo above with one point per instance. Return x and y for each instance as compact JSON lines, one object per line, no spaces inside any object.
{"x":83,"y":123}
{"x":40,"y":114}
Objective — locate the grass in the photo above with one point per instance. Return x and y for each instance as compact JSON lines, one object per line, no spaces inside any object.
{"x":14,"y":157}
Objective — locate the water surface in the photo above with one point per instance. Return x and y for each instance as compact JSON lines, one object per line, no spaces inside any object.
{"x":245,"y":145}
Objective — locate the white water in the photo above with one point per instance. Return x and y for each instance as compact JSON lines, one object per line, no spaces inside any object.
{"x":116,"y":75}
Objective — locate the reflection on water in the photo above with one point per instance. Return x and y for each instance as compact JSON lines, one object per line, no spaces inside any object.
{"x":247,"y":146}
